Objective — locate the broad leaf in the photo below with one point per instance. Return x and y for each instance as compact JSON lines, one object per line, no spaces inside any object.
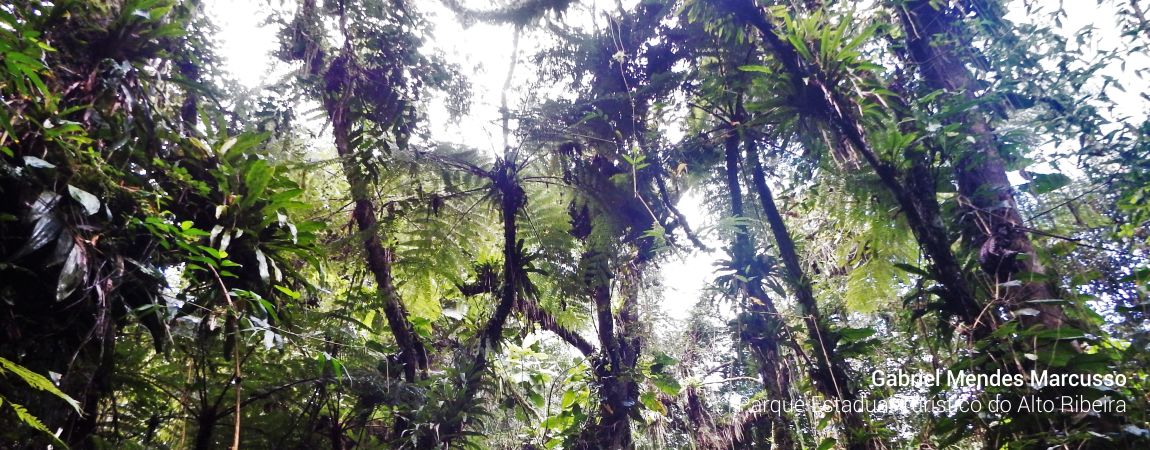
{"x":90,"y":203}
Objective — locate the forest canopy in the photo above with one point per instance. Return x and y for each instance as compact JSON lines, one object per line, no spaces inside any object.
{"x":915,"y":223}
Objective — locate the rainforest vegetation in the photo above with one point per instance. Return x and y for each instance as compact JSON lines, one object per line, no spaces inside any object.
{"x":880,"y":192}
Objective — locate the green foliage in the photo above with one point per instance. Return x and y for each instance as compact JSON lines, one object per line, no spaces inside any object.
{"x":38,"y":382}
{"x":180,"y":250}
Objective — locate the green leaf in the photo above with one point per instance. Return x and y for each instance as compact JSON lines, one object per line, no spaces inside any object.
{"x":661,"y":362}
{"x":760,"y":69}
{"x":288,"y":292}
{"x":90,"y":203}
{"x":37,"y":381}
{"x":284,"y":196}
{"x":856,"y":334}
{"x":227,"y":145}
{"x":35,"y":423}
{"x":46,"y":229}
{"x":256,"y":180}
{"x":268,"y":307}
{"x":912,"y":269}
{"x":217,"y":254}
{"x":556,"y":422}
{"x":667,"y":384}
{"x":652,"y":403}
{"x":800,"y":46}
{"x":1092,"y":362}
{"x":1041,"y":183}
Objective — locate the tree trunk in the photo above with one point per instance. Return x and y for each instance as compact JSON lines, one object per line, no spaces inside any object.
{"x":379,"y":258}
{"x":921,"y":211}
{"x":504,"y":178}
{"x":613,"y":430}
{"x":412,"y":354}
{"x":764,"y":325}
{"x":831,"y":376}
{"x":614,"y":367}
{"x":206,"y":423}
{"x":511,"y":199}
{"x":616,"y":363}
{"x":994,"y":229}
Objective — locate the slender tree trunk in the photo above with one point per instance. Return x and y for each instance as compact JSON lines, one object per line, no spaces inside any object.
{"x":832,"y":378}
{"x":994,"y":229}
{"x":619,"y":342}
{"x":614,"y":366}
{"x":512,"y":197}
{"x":505,"y":178}
{"x":379,"y":257}
{"x":613,"y":430}
{"x":511,"y":200}
{"x":339,"y":76}
{"x":622,"y":392}
{"x":412,"y":354}
{"x":764,"y":325}
{"x":921,"y":212}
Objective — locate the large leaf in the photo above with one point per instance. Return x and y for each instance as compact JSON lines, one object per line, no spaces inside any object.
{"x":759,"y":69}
{"x":855,"y":334}
{"x":90,"y":203}
{"x":74,"y":271}
{"x":43,"y":205}
{"x":46,"y":229}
